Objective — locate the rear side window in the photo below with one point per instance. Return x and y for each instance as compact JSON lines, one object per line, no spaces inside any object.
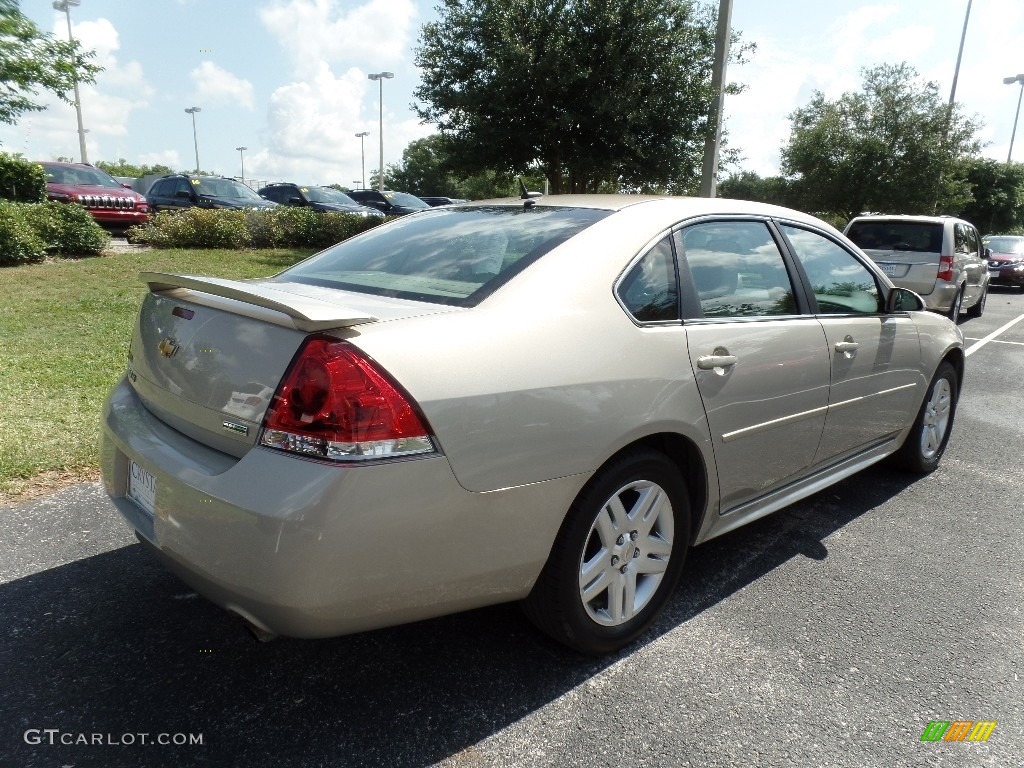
{"x":736,"y":270}
{"x":649,"y":291}
{"x":913,"y":236}
{"x":454,"y":256}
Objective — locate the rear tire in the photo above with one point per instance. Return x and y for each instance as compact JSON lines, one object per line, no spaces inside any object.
{"x":926,"y":442}
{"x":618,"y":557}
{"x":954,"y":308}
{"x":979,"y":307}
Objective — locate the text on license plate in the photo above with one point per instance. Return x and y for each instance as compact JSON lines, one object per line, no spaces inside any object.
{"x":889,"y":269}
{"x":142,"y":487}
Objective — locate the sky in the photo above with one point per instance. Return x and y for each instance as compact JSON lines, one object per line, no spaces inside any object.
{"x":287,"y":79}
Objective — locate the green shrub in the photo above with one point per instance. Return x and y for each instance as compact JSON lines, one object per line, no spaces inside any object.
{"x":19,"y":241}
{"x":283,"y":227}
{"x":194,"y":228}
{"x":66,"y":228}
{"x":21,"y":180}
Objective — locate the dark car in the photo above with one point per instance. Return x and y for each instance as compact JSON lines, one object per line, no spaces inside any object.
{"x":111,"y":204}
{"x":1006,"y":260}
{"x":388,"y":202}
{"x":182,"y":190}
{"x":327,"y":199}
{"x":434,"y":202}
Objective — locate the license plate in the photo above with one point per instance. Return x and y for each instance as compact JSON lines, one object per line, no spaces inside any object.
{"x":993,"y":273}
{"x":889,"y":269}
{"x":142,"y":487}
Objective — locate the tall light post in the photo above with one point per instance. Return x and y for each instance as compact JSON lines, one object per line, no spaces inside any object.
{"x":195,"y":139}
{"x":241,"y":159}
{"x":362,"y":151}
{"x":66,"y":6}
{"x":1010,"y":81}
{"x":380,"y":77}
{"x":712,"y":141}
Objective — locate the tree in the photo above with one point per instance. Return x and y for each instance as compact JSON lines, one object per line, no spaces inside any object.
{"x":428,"y":167}
{"x":590,"y":91}
{"x":31,"y":60}
{"x":123,"y":168}
{"x":747,"y":185}
{"x":998,"y":195}
{"x":884,"y":148}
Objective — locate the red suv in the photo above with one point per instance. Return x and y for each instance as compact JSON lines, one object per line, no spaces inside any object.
{"x":111,"y":204}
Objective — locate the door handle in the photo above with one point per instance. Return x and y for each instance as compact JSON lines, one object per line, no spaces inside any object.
{"x":847,"y":345}
{"x":720,"y":358}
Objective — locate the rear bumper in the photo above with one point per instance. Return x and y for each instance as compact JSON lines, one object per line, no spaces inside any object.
{"x":941,"y":297}
{"x":308,"y":549}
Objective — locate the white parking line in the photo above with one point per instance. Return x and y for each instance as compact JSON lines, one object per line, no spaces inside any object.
{"x":1000,"y":341}
{"x":982,"y":342}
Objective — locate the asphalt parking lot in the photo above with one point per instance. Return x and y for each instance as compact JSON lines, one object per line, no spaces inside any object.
{"x":829,"y":634}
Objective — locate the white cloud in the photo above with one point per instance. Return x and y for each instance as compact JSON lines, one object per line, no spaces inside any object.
{"x":216,"y":85}
{"x":311,"y":129}
{"x":168,"y":157}
{"x":315,"y":31}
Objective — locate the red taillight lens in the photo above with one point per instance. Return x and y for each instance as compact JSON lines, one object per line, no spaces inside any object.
{"x":945,"y":268}
{"x":335,"y":403}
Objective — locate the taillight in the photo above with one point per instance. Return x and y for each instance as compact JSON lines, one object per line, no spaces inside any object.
{"x":945,"y":268}
{"x":335,"y":403}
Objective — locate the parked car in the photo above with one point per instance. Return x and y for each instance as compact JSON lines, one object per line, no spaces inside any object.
{"x":183,"y":190}
{"x":433,"y":202}
{"x":1006,"y":260}
{"x":318,"y":198}
{"x":111,"y":204}
{"x":388,"y":202}
{"x":938,"y":257}
{"x":546,"y":400}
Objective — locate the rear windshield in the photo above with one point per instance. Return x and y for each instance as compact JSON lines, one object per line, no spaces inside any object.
{"x":454,"y":256}
{"x":914,"y":236}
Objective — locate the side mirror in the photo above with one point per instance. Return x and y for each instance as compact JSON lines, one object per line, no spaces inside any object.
{"x":988,"y":253}
{"x":295,"y":200}
{"x":903,"y":300}
{"x":183,"y":194}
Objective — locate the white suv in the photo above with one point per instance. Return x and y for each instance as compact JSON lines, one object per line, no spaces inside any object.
{"x":938,"y":257}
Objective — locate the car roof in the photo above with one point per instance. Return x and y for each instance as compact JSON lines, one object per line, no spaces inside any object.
{"x":682,"y":206}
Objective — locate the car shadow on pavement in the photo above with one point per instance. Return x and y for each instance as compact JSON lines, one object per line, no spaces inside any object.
{"x":114,"y":646}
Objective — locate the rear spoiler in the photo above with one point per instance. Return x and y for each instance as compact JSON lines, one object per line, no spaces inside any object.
{"x":306,"y":312}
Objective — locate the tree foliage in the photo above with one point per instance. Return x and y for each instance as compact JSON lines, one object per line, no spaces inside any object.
{"x":123,"y":168}
{"x":32,"y":60}
{"x":428,"y":167}
{"x":748,"y":185}
{"x":590,"y":91}
{"x":997,"y":191}
{"x":884,"y":148}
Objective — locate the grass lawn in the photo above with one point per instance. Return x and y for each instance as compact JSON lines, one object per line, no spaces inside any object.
{"x":64,"y":332}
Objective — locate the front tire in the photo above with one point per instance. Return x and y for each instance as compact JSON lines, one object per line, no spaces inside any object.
{"x":618,"y":557}
{"x":927,"y":439}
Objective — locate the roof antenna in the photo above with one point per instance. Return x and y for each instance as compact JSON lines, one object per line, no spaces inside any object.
{"x":529,"y":197}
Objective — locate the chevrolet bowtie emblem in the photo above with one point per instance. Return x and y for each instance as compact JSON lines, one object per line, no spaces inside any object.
{"x":168,"y":347}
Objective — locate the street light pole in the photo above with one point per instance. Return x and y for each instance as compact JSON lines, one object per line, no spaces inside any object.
{"x":1010,"y":81}
{"x":66,"y":6}
{"x":380,"y":77}
{"x":195,"y":139}
{"x":709,"y":170}
{"x":362,"y":151}
{"x":241,"y":159}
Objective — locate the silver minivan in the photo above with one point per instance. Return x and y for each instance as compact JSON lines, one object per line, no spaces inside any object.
{"x":941,"y":258}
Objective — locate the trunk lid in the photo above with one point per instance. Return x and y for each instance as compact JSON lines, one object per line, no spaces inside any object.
{"x":908,"y":269}
{"x":207,"y":354}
